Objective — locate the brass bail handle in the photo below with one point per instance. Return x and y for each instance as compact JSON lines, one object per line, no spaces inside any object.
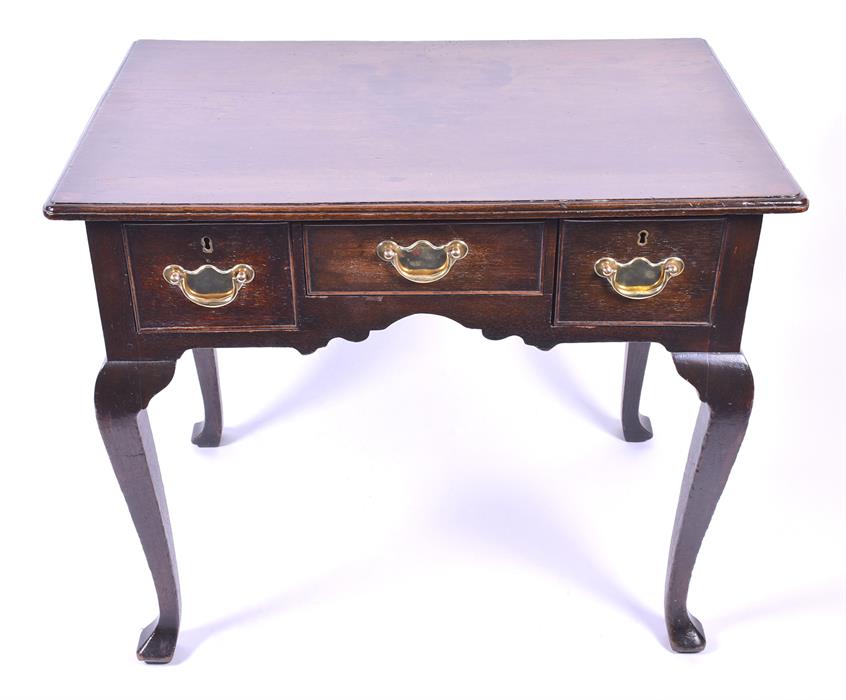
{"x":422,"y":262}
{"x":638,"y":278}
{"x":209,"y":286}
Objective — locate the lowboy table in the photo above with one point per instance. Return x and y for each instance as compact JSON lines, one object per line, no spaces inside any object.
{"x":284,"y":194}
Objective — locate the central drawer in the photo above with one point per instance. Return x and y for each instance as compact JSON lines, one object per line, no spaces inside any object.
{"x":496,"y":258}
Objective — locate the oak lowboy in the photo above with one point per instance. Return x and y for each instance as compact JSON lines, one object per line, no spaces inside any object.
{"x":314,"y":191}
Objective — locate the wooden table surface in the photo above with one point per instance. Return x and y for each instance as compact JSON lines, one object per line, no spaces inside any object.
{"x":289,"y":128}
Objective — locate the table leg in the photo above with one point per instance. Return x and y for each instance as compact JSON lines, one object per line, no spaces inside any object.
{"x":636,"y":427}
{"x":121,"y":395}
{"x":207,"y":433}
{"x":725,"y":386}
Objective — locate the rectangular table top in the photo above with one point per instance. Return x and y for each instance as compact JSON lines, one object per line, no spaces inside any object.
{"x":262,"y":129}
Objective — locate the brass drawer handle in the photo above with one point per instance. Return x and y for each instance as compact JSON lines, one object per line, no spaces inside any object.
{"x":422,"y":262}
{"x":207,"y":285}
{"x":638,"y":278}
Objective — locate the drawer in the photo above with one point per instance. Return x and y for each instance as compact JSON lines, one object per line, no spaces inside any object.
{"x":265,"y":302}
{"x":584,"y":297}
{"x":501,"y":258}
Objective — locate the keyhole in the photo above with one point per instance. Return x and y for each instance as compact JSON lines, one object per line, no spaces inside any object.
{"x":206,"y":242}
{"x":642,"y":237}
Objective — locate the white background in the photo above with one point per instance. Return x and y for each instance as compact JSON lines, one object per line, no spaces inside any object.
{"x":521,"y":553}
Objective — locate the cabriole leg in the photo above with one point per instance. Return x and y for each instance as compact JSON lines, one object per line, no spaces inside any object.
{"x":724,"y":383}
{"x":207,"y":433}
{"x":121,"y":395}
{"x":636,"y":428}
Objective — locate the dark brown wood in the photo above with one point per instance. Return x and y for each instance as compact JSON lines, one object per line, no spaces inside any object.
{"x":734,"y":281}
{"x":298,"y":158}
{"x":277,"y":130}
{"x":725,"y":387}
{"x":584,"y":297}
{"x":503,"y":258}
{"x":433,"y":211}
{"x":121,"y":395}
{"x":117,"y":314}
{"x":636,"y":427}
{"x":319,"y":318}
{"x":267,"y":302}
{"x":207,"y":432}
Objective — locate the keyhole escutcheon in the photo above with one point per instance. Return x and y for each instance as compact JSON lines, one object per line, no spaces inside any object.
{"x":642,"y":237}
{"x":206,"y":244}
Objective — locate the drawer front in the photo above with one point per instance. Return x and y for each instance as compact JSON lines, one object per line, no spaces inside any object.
{"x":501,"y":258}
{"x":267,"y":301}
{"x":584,"y":297}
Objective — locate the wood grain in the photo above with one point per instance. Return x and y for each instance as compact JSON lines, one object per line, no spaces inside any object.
{"x":502,"y":258}
{"x":584,"y":297}
{"x":726,"y":389}
{"x":353,"y":317}
{"x":267,"y":302}
{"x":241,"y":130}
{"x":542,"y":156}
{"x":121,"y":395}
